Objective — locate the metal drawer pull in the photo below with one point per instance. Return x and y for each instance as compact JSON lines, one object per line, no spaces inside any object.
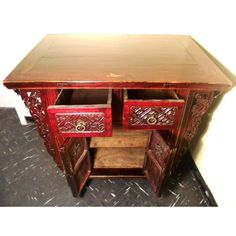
{"x":151,"y":120}
{"x":80,"y":125}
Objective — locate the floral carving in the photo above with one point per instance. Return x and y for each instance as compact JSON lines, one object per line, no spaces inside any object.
{"x":201,"y":103}
{"x":33,"y":101}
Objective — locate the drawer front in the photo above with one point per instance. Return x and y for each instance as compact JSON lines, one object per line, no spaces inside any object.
{"x":83,"y":122}
{"x":151,"y":115}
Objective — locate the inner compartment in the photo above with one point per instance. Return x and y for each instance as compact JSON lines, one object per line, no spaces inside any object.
{"x":125,"y":149}
{"x":149,"y":94}
{"x":121,"y":138}
{"x":83,"y":97}
{"x":118,"y":157}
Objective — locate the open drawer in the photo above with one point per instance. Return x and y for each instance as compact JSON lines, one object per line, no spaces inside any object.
{"x":82,"y":113}
{"x":151,"y":109}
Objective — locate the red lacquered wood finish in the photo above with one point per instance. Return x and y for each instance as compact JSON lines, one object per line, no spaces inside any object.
{"x":153,"y":172}
{"x":82,"y":120}
{"x":77,"y":163}
{"x":77,"y":122}
{"x":197,"y":106}
{"x":156,"y":161}
{"x":151,"y":113}
{"x":80,"y":86}
{"x":117,"y":61}
{"x":158,"y":144}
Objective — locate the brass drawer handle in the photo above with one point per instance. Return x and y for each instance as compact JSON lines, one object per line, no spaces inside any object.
{"x":151,"y":120}
{"x":80,"y":126}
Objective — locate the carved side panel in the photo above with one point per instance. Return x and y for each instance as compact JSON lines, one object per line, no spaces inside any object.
{"x":152,"y":115}
{"x":201,"y":101}
{"x":33,"y":101}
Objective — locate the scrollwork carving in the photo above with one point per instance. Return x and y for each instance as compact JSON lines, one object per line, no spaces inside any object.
{"x":33,"y":101}
{"x":201,"y":102}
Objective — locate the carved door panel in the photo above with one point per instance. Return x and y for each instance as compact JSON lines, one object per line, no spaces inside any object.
{"x":77,"y":163}
{"x":156,"y":161}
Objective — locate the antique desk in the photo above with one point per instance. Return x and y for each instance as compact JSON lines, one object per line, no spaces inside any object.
{"x":117,"y":106}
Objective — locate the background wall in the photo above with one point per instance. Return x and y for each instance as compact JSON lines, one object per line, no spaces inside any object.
{"x":212,"y":23}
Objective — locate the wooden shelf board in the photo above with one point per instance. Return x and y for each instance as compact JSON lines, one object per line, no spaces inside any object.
{"x":119,"y":157}
{"x":104,"y":176}
{"x":121,"y":138}
{"x":117,"y":173}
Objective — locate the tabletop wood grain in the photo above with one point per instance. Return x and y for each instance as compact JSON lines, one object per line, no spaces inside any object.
{"x":116,"y":61}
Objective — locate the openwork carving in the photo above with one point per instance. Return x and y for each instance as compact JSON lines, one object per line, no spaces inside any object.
{"x":33,"y":101}
{"x":201,"y":103}
{"x":81,"y":122}
{"x":152,"y":115}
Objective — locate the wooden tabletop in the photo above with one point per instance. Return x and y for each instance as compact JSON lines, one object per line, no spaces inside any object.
{"x":116,"y":61}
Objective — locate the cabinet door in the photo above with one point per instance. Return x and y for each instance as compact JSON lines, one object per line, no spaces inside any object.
{"x":156,"y":161}
{"x":77,"y":163}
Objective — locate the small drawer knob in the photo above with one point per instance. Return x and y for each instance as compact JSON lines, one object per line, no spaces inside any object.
{"x":80,"y":126}
{"x":151,"y":120}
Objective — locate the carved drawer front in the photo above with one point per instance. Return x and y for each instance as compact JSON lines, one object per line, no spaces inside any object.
{"x":82,"y":113}
{"x":151,"y":109}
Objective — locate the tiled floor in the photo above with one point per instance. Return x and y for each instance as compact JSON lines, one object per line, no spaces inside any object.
{"x":29,"y":177}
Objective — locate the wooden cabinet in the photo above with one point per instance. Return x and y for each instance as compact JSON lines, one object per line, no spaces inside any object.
{"x":117,"y":106}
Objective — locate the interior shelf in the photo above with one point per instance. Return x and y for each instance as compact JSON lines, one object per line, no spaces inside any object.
{"x":121,"y":138}
{"x":118,"y":157}
{"x":122,"y":154}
